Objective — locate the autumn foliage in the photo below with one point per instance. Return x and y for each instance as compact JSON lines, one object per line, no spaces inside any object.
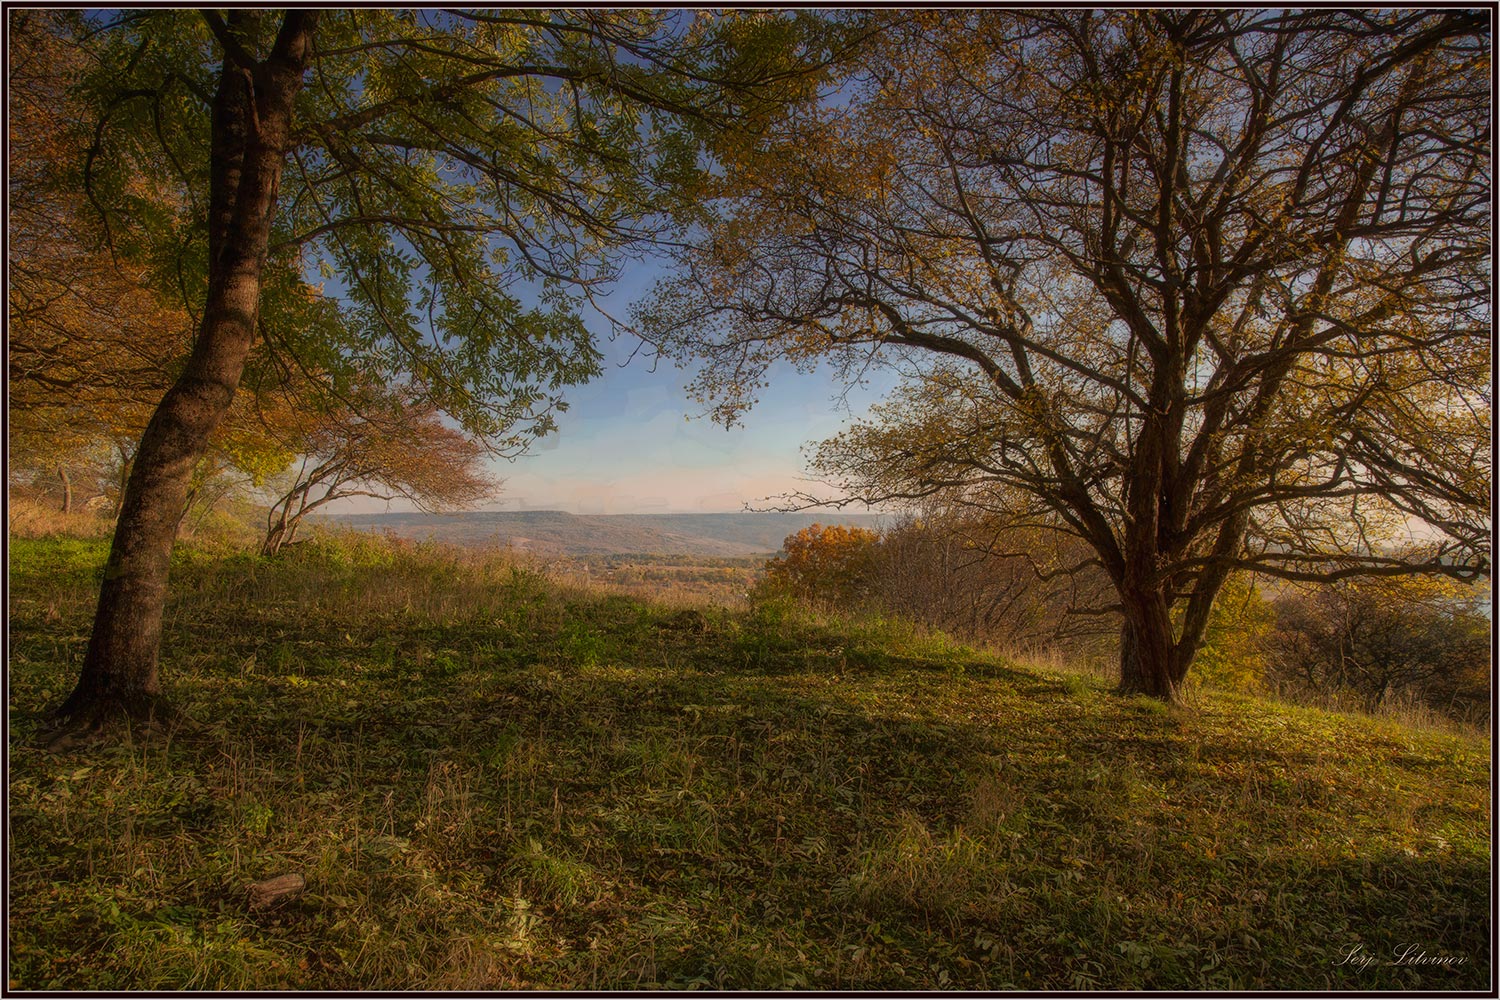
{"x":390,"y":447}
{"x":1205,"y":291}
{"x":89,"y":345}
{"x":824,"y":564}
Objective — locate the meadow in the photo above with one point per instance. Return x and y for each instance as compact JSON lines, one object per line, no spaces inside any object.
{"x":491,"y":778}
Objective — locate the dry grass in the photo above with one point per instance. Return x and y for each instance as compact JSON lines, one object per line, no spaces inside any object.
{"x":26,"y":518}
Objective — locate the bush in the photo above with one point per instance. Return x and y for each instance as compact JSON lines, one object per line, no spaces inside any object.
{"x":1234,"y":654}
{"x":28,"y":518}
{"x":1422,"y":638}
{"x":959,"y":574}
{"x":826,"y":566}
{"x":965,"y":576}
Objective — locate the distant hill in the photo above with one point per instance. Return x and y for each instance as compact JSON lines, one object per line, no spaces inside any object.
{"x":555,"y":532}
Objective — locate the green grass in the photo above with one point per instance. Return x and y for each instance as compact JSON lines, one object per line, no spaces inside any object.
{"x":493,"y":782}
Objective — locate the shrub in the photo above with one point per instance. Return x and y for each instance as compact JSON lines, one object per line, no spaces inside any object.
{"x":1235,"y":647}
{"x":954,"y":572}
{"x":1420,"y":637}
{"x":969,"y":577}
{"x":28,"y":518}
{"x":824,"y":565}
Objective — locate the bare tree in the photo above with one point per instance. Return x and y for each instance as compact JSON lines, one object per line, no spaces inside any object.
{"x":981,"y":577}
{"x":1422,"y":637}
{"x":1210,"y":290}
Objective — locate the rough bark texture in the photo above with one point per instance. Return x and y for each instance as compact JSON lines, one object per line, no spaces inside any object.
{"x":251,"y":129}
{"x":1151,"y":663}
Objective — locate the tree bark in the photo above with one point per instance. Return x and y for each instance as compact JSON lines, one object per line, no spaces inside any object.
{"x":1148,"y":656}
{"x":274,"y":539}
{"x":251,"y":130}
{"x":282,"y":523}
{"x":67,"y":488}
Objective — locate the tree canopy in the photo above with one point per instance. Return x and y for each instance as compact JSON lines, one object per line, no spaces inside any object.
{"x":382,"y":445}
{"x":93,"y":341}
{"x":456,"y":183}
{"x":89,"y":346}
{"x":459,"y":182}
{"x":1209,"y":290}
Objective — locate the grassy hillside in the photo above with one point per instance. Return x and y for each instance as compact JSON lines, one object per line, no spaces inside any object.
{"x":489,"y":781}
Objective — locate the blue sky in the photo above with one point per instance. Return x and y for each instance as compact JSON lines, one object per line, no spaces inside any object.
{"x":632,"y":442}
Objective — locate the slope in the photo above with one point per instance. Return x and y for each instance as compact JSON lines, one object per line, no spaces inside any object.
{"x":491,"y":782}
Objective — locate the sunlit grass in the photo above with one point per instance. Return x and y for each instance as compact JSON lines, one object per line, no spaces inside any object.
{"x":490,"y":781}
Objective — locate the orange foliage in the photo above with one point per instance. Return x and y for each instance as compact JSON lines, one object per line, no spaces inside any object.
{"x":825,"y":564}
{"x":91,"y":347}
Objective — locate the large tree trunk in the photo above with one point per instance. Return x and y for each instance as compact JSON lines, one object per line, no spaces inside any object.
{"x":251,"y":130}
{"x":1155,"y":655}
{"x":1149,"y":663}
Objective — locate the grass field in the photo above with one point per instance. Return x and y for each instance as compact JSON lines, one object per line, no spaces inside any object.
{"x":490,"y":780}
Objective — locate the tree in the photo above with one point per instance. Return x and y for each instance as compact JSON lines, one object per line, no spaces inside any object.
{"x":1209,"y":290}
{"x":384,"y":449}
{"x":456,"y":173}
{"x":825,"y":564}
{"x":92,"y":346}
{"x":1375,"y":637}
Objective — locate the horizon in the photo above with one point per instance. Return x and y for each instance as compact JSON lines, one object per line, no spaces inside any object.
{"x":833,"y":513}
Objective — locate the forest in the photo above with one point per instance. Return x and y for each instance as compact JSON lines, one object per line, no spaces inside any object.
{"x":1167,"y":664}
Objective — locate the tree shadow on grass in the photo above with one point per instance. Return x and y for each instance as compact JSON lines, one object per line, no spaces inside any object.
{"x":843,"y":822}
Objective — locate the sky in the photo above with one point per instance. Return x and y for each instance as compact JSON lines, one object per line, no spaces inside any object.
{"x":633,"y":442}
